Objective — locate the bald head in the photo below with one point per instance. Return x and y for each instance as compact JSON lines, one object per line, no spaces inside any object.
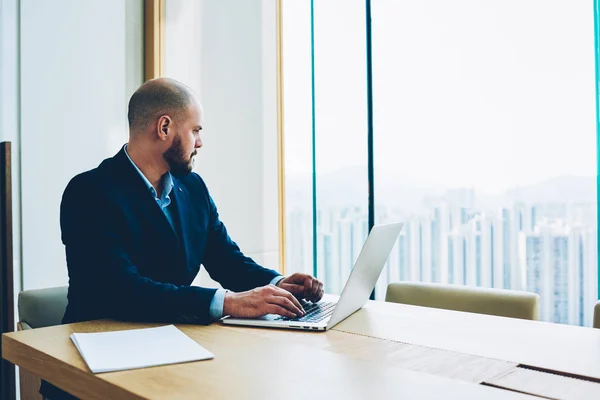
{"x":155,"y":98}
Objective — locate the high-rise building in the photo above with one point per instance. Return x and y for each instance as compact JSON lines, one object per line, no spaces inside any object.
{"x":556,"y":261}
{"x":498,"y":239}
{"x":589,"y":242}
{"x":404,"y":255}
{"x":360,"y":231}
{"x":472,"y":251}
{"x":426,"y":248}
{"x":440,"y":243}
{"x":560,"y":267}
{"x":299,"y":256}
{"x":507,"y":235}
{"x":413,"y":229}
{"x":327,"y":266}
{"x":343,"y":234}
{"x":457,"y":257}
{"x":487,"y":250}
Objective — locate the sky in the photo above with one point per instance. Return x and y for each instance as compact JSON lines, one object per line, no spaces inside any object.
{"x":469,"y":93}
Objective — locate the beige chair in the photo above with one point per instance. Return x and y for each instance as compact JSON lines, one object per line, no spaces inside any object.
{"x":38,"y":309}
{"x":500,"y":302}
{"x":597,"y":315}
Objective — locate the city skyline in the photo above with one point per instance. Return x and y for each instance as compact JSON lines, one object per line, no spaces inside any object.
{"x":508,"y":114}
{"x":549,"y":248}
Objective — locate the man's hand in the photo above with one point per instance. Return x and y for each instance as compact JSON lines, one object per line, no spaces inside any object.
{"x":303,"y":286}
{"x":261,"y":301}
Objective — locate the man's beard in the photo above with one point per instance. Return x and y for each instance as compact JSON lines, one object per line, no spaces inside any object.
{"x":179,"y":163}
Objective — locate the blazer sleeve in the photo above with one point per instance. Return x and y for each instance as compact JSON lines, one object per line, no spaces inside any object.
{"x":99,"y":264}
{"x":224,"y":260}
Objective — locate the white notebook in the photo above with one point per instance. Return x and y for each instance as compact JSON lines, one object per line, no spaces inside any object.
{"x":137,"y":348}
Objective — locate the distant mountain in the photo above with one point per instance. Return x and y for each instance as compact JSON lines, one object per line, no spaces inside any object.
{"x":564,"y":189}
{"x":349,"y":186}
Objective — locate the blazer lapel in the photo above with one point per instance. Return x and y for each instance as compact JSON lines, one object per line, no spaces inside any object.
{"x":182,"y":197}
{"x":139,"y":196}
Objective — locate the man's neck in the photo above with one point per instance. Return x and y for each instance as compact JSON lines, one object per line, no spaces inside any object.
{"x":145,"y":161}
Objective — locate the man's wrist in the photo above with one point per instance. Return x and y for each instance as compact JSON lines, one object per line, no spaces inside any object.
{"x":277,"y":280}
{"x":228,"y":301}
{"x":216,"y":308}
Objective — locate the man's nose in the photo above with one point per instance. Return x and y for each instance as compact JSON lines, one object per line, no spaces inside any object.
{"x":198,"y":143}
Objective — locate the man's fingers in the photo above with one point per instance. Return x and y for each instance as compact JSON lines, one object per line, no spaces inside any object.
{"x":313,"y":295}
{"x":315,"y":286}
{"x":310,"y":284}
{"x":285,"y":292}
{"x":287,"y":304}
{"x":321,"y":292}
{"x":294,"y":300}
{"x":318,"y":294}
{"x":276,"y":309}
{"x":303,"y":285}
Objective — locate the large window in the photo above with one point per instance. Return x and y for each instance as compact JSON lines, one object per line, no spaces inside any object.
{"x":325,"y":131}
{"x":484,"y":128}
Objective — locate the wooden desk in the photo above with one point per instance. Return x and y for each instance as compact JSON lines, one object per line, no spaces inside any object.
{"x":567,"y":349}
{"x":266,"y":363}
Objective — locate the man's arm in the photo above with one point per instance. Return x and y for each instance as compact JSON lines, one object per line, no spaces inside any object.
{"x":224,"y":260}
{"x":226,"y":264}
{"x":102,"y":272}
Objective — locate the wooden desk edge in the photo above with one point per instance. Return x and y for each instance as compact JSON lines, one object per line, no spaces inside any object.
{"x":78,"y":385}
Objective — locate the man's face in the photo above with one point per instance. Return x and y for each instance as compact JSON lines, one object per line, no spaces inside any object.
{"x":180,"y":155}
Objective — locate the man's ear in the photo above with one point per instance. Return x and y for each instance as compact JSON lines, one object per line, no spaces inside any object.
{"x":164,"y":125}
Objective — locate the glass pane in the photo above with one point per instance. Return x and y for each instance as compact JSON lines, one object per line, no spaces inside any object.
{"x":297,"y":111}
{"x":485,"y":145}
{"x":341,"y":137}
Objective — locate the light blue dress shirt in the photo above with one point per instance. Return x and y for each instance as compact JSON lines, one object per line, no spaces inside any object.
{"x":216,"y":305}
{"x":165,"y":200}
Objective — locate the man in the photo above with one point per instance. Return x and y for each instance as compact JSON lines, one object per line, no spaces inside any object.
{"x":137,"y":228}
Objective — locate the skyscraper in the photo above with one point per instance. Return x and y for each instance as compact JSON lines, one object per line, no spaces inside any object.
{"x":343,"y":234}
{"x":555,"y":260}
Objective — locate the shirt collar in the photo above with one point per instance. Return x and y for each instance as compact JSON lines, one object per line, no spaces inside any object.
{"x":167,"y":180}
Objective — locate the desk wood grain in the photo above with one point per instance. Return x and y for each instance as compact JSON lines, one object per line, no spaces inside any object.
{"x":547,"y":385}
{"x":439,"y":362}
{"x":570,"y":349}
{"x":246,"y":366}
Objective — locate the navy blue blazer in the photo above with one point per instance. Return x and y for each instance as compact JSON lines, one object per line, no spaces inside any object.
{"x":126,"y":262}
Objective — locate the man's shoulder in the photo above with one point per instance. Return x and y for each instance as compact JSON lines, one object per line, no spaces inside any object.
{"x":92,"y":181}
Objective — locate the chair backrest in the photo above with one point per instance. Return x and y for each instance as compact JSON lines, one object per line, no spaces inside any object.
{"x":597,"y":315}
{"x":500,"y":302}
{"x":42,"y":307}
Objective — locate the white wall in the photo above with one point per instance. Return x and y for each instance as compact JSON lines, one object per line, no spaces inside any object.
{"x":80,"y":63}
{"x":226,"y":51}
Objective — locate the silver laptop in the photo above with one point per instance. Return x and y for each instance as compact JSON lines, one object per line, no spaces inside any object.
{"x":331,"y":310}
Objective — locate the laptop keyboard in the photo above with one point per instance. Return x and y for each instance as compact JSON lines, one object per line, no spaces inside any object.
{"x":315,"y":312}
